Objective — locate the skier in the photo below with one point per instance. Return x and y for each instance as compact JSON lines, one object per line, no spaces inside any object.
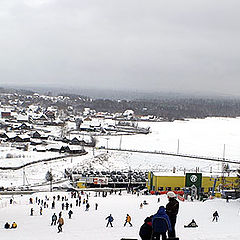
{"x":192,"y":224}
{"x":160,"y":224}
{"x":110,"y":220}
{"x":54,"y":219}
{"x":215,"y":216}
{"x":141,"y":206}
{"x":60,"y":224}
{"x":172,"y":210}
{"x":31,"y":212}
{"x":53,"y":205}
{"x":128,"y":220}
{"x":62,"y":206}
{"x":70,"y":214}
{"x":96,"y":206}
{"x":146,"y":229}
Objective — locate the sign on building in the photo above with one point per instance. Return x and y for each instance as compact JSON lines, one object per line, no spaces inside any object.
{"x":193,"y":179}
{"x":100,"y":180}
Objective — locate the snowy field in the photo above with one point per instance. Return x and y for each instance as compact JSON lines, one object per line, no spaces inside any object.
{"x":204,"y":137}
{"x":91,"y":225}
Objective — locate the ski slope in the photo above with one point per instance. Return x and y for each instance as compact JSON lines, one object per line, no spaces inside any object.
{"x":91,"y":225}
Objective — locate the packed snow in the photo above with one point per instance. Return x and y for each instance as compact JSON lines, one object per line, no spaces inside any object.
{"x":91,"y":224}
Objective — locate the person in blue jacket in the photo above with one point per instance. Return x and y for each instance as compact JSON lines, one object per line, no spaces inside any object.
{"x":160,"y":224}
{"x":110,"y":220}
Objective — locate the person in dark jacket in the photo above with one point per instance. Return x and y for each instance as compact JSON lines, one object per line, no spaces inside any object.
{"x":54,"y":219}
{"x":192,"y":224}
{"x":215,"y":216}
{"x":70,"y":214}
{"x":172,"y":210}
{"x":7,"y":225}
{"x":110,"y":220}
{"x":146,"y":229}
{"x":160,"y":224}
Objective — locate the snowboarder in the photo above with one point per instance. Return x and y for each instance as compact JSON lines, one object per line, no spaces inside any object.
{"x":146,"y":229}
{"x":128,"y":220}
{"x":110,"y":220}
{"x":60,"y":224}
{"x":161,"y":224}
{"x":172,"y":210}
{"x":70,"y":214}
{"x":192,"y":224}
{"x":31,"y":212}
{"x":54,"y":219}
{"x":215,"y":216}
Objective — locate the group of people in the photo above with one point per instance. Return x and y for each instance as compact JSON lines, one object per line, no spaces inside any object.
{"x":8,"y":226}
{"x":110,"y":220}
{"x":163,"y":221}
{"x":65,"y":205}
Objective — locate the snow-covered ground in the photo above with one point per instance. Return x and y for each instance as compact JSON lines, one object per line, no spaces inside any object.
{"x":91,"y":225}
{"x":204,"y":137}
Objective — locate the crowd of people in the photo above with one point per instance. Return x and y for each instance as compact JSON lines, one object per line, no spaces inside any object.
{"x":159,"y":225}
{"x":163,"y":221}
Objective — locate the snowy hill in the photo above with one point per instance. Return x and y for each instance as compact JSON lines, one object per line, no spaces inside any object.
{"x":91,"y":224}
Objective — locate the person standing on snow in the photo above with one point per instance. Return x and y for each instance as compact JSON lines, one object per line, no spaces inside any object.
{"x":215,"y":216}
{"x":87,"y":207}
{"x":161,"y":224}
{"x":146,"y":229}
{"x":70,"y":214}
{"x":31,"y":212}
{"x":40,"y":211}
{"x":60,"y":224}
{"x":172,"y":210}
{"x":110,"y":220}
{"x":54,"y":219}
{"x":128,"y":220}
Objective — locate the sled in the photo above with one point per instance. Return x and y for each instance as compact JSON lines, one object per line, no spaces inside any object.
{"x":186,"y":226}
{"x":181,"y":198}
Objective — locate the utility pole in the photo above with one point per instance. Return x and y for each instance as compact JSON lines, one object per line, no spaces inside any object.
{"x":120,"y":145}
{"x":224,"y":152}
{"x":93,"y":151}
{"x":51,"y":179}
{"x":107,"y":144}
{"x":178,"y":145}
{"x":23,"y":176}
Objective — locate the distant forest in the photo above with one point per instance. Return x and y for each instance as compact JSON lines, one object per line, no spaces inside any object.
{"x":167,"y":108}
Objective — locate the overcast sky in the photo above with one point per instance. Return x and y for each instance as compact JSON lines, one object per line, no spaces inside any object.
{"x":160,"y":45}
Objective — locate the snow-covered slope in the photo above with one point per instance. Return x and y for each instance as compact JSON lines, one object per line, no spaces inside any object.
{"x":91,"y":224}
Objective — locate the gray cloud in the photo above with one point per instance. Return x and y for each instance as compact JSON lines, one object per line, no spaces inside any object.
{"x":170,"y":45}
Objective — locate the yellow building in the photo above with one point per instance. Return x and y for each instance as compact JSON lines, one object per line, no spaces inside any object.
{"x":161,"y":182}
